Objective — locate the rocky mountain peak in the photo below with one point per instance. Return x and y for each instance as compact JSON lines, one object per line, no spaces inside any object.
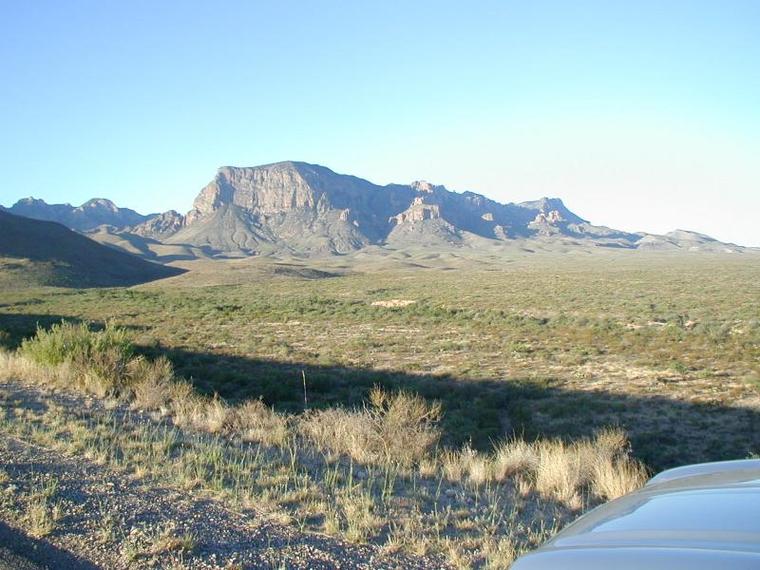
{"x":160,"y":226}
{"x":28,"y":205}
{"x":100,"y":203}
{"x":553,"y":210}
{"x":30,"y":201}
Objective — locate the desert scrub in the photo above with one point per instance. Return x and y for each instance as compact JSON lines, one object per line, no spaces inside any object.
{"x":99,"y":358}
{"x":477,"y":509}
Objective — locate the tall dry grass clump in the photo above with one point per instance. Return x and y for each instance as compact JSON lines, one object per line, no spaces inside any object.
{"x":614,"y":472}
{"x":560,"y":470}
{"x":557,"y":470}
{"x":514,"y":456}
{"x":152,"y":383}
{"x":258,"y":422}
{"x":398,"y":428}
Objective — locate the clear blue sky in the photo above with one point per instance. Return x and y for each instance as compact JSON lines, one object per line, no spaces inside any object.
{"x":641,"y":115}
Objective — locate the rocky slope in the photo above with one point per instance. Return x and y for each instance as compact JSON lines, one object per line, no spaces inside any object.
{"x":307,"y":209}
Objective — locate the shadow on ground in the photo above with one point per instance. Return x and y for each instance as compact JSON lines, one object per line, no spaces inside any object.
{"x":664,"y":432}
{"x":21,"y":552}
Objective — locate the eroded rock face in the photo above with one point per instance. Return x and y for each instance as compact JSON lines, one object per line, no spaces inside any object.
{"x":422,"y":186}
{"x":265,"y":190}
{"x":553,"y":217}
{"x":419,"y":211}
{"x":294,"y":206}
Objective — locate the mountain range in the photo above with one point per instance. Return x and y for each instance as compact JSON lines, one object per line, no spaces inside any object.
{"x":306,"y":209}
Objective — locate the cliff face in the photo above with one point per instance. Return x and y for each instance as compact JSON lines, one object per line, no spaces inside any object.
{"x":307,"y":209}
{"x":284,"y":206}
{"x":265,"y":190}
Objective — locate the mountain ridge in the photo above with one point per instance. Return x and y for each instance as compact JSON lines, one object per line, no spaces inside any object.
{"x":308,"y":209}
{"x":91,"y":214}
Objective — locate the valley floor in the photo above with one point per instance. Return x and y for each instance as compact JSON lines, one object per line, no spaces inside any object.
{"x":258,"y":413}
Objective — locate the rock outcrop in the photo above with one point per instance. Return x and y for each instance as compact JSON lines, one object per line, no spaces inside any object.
{"x":419,"y":211}
{"x":160,"y":226}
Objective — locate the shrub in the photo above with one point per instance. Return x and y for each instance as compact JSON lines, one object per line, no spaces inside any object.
{"x":99,"y":358}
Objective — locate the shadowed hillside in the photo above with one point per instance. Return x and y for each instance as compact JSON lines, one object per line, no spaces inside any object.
{"x":34,"y":252}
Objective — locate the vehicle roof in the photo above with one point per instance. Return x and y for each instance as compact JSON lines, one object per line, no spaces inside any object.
{"x":698,"y":512}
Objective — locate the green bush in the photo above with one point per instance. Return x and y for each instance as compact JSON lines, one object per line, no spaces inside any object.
{"x":99,"y":357}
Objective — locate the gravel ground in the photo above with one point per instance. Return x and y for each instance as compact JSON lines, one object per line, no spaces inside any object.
{"x":21,"y":552}
{"x":94,"y":498}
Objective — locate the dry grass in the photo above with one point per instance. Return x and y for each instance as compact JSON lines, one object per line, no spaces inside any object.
{"x":603,"y":465}
{"x":559,"y":471}
{"x":555,"y":469}
{"x":514,"y":456}
{"x":613,"y":471}
{"x":152,"y":383}
{"x":170,"y":540}
{"x":357,"y":513}
{"x":42,"y":511}
{"x":399,"y":428}
{"x":257,"y":422}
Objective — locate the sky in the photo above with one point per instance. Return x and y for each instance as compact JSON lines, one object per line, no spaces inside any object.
{"x":643,"y":116}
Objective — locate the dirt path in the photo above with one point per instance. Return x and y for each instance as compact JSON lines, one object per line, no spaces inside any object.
{"x":107,"y":519}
